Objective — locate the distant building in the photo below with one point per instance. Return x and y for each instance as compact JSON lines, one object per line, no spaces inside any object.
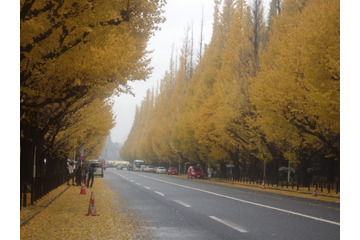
{"x":111,"y":150}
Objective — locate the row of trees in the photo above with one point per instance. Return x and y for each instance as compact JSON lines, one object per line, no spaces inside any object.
{"x":74,"y":55}
{"x":264,"y":91}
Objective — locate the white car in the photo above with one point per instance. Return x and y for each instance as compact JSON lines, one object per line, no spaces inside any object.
{"x":160,"y":170}
{"x":149,"y":168}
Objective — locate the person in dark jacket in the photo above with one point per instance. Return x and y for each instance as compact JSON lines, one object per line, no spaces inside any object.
{"x":78,"y":175}
{"x":91,"y":175}
{"x":83,"y":173}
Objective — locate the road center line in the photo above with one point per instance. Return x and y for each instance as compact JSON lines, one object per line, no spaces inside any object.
{"x":245,"y":201}
{"x":182,"y":203}
{"x":147,"y":188}
{"x":229,"y":224}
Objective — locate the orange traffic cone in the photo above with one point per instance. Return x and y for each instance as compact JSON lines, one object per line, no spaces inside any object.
{"x":263,"y":185}
{"x":314,"y":191}
{"x":92,"y":208}
{"x":83,"y":189}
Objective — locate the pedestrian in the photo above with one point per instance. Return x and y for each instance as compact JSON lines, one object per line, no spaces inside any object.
{"x":71,"y":173}
{"x":78,"y":175}
{"x":91,"y":175}
{"x":209,"y":172}
{"x":83,"y":173}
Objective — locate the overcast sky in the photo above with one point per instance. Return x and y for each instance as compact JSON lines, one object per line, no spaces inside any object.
{"x":178,"y":14}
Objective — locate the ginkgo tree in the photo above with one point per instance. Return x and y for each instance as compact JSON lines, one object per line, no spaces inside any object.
{"x":261,"y":96}
{"x":200,"y":88}
{"x":73,"y":53}
{"x":297,"y":91}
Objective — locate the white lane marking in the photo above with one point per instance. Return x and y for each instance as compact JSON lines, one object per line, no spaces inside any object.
{"x":159,"y":193}
{"x":229,"y":224}
{"x":138,"y":184}
{"x":131,"y":181}
{"x":248,"y":202}
{"x":182,"y":203}
{"x":147,"y":187}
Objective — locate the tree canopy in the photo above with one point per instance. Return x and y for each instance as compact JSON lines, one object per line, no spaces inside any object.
{"x":74,"y":55}
{"x":266,"y":89}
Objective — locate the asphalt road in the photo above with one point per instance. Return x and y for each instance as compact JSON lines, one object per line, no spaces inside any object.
{"x":177,"y":208}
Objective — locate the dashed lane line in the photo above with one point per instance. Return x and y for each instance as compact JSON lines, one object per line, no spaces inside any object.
{"x":161,"y":194}
{"x":229,"y":224}
{"x":182,"y":203}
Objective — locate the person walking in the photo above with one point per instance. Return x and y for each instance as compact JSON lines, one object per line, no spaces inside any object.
{"x":91,"y":175}
{"x":83,"y":173}
{"x":209,"y":172}
{"x":71,"y":173}
{"x":78,"y":175}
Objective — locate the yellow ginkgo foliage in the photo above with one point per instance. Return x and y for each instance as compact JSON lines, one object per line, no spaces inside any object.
{"x":74,"y":53}
{"x":297,"y":91}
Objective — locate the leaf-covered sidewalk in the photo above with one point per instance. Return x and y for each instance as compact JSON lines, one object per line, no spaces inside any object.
{"x":65,"y":217}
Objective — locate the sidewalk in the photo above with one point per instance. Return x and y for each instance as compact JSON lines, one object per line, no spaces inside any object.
{"x":65,"y":217}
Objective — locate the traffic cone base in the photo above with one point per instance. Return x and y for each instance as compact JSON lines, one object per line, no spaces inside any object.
{"x":263,"y":185}
{"x":92,"y":207}
{"x":83,"y":189}
{"x":314,"y":191}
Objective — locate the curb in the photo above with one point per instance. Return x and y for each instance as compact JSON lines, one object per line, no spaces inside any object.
{"x":26,"y":220}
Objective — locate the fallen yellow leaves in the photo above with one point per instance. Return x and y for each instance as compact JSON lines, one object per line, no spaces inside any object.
{"x":65,"y":217}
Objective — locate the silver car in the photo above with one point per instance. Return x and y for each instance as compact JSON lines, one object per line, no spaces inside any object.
{"x":160,"y":170}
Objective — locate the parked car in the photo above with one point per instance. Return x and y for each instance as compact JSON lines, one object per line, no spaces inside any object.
{"x":142,"y":168}
{"x":172,"y":171}
{"x":160,"y":170}
{"x":149,"y":168}
{"x":195,"y":172}
{"x":119,"y":167}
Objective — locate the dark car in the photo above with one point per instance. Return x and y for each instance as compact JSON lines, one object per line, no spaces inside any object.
{"x":172,"y":171}
{"x":195,"y":172}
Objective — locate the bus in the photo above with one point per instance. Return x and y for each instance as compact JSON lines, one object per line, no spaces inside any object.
{"x":137,"y":164}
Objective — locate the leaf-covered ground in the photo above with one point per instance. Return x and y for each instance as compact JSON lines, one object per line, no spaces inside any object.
{"x":65,"y":217}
